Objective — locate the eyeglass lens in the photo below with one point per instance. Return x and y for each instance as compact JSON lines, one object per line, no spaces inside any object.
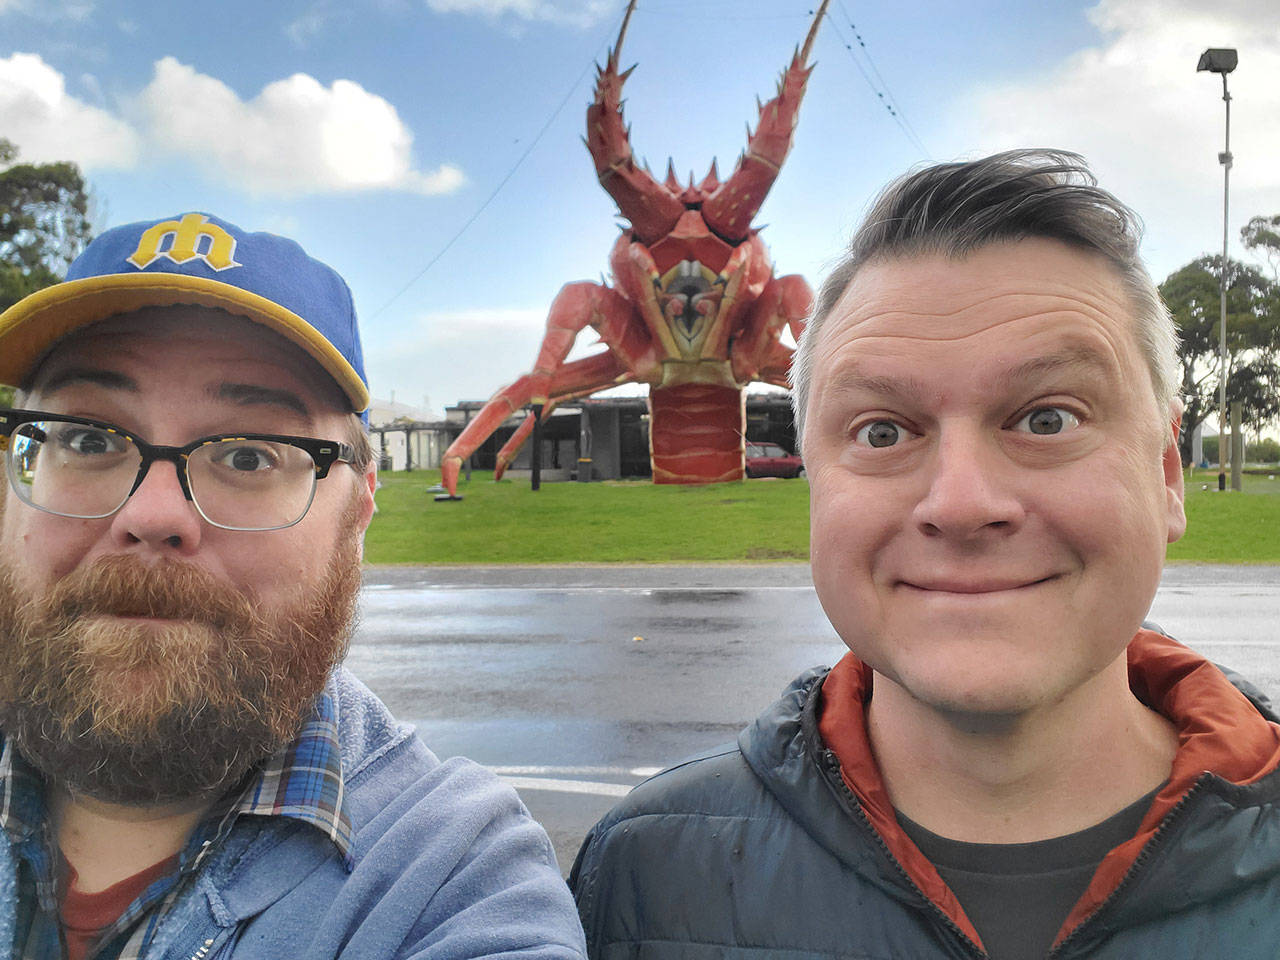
{"x":80,"y":470}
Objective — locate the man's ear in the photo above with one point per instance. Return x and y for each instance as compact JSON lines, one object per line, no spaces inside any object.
{"x":1171,"y":463}
{"x":365,"y":487}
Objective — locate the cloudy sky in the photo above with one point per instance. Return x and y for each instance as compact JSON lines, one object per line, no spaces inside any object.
{"x":431,"y":150}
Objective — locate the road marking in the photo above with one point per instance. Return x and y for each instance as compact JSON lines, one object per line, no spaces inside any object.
{"x":528,"y":771}
{"x":594,"y":788}
{"x":579,"y":588}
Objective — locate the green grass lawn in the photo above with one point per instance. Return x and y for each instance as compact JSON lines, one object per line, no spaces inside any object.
{"x":757,"y":520}
{"x":1231,"y":527}
{"x":588,"y":522}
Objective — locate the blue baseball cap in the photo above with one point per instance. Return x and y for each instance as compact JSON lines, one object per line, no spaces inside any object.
{"x":196,"y":259}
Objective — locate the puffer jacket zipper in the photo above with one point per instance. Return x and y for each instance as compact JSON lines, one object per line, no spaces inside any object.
{"x":1139,"y":862}
{"x":830,"y":767}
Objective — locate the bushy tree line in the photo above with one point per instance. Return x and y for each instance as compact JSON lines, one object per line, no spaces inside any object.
{"x":1253,"y":331}
{"x":1265,"y":450}
{"x":44,"y":224}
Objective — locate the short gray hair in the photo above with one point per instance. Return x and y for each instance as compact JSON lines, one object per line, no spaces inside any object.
{"x":951,"y":209}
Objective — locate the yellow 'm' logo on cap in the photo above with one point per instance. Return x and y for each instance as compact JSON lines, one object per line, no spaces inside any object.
{"x":188,"y":233}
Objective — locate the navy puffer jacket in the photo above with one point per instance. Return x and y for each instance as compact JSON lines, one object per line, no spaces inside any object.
{"x":765,"y":848}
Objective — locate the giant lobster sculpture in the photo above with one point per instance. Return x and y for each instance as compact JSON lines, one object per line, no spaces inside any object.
{"x":695,"y":310}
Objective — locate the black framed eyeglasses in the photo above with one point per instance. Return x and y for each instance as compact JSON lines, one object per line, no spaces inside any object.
{"x":87,"y":469}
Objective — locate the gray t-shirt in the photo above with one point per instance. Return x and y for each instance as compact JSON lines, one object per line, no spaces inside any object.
{"x":1018,"y":894}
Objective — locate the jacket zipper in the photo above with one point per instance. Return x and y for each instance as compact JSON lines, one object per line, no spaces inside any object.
{"x":185,"y":877}
{"x":1144,"y":855}
{"x":832,"y":769}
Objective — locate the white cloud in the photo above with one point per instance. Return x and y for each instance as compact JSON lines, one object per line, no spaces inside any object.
{"x":1149,"y":124}
{"x":295,"y":137}
{"x":50,"y":10}
{"x":306,"y":27}
{"x":38,"y":114}
{"x":282,"y":224}
{"x":463,"y":354}
{"x":93,"y":86}
{"x":576,"y":13}
{"x":466,"y":354}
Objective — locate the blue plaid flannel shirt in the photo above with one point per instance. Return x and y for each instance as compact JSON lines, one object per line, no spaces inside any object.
{"x":303,"y":781}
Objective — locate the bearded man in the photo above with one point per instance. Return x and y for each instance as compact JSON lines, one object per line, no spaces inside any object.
{"x":186,"y":768}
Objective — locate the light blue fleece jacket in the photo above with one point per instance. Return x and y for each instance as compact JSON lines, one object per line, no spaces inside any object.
{"x":448,"y":865}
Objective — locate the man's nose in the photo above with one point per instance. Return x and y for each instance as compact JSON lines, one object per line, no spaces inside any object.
{"x":970,"y":491}
{"x":158,"y":513}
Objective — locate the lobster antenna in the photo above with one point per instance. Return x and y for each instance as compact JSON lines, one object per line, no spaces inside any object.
{"x":631,"y":7}
{"x":808,"y":41}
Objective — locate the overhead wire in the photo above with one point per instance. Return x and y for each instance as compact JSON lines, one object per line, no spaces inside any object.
{"x":704,"y":15}
{"x":878,"y":86}
{"x":885,"y":97}
{"x":457,"y":235}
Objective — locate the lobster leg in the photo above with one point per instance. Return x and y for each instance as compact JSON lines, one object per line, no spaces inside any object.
{"x":576,"y":306}
{"x":577,"y":378}
{"x":731,"y":279}
{"x":785,"y":301}
{"x":778,"y":370}
{"x":517,"y":439}
{"x":797,"y":324}
{"x":641,"y":263}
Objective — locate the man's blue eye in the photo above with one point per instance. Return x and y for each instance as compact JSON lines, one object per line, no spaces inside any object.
{"x":1047,"y":421}
{"x":879,"y":433}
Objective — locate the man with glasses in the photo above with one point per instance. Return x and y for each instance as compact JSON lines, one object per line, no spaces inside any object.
{"x":186,"y":770}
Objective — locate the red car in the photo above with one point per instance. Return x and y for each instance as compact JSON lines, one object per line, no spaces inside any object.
{"x":770,"y":460}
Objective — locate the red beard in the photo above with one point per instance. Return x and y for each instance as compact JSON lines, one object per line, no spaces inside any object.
{"x":147,"y":713}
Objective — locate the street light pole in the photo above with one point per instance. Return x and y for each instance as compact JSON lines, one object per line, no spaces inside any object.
{"x":1222,"y":61}
{"x":1225,"y":159}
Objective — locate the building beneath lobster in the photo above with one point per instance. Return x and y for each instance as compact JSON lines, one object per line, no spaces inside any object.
{"x":602,"y":438}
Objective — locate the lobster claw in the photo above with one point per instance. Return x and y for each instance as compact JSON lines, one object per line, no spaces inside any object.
{"x":652,"y":208}
{"x":731,"y":208}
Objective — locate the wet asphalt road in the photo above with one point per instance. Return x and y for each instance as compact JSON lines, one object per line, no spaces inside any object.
{"x":576,"y":682}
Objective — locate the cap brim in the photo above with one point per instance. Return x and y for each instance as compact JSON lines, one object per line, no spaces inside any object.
{"x":30,"y":327}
